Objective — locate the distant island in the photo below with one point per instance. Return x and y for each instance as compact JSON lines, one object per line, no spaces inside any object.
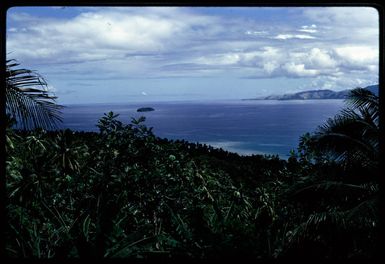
{"x":315,"y":94}
{"x":145,"y":109}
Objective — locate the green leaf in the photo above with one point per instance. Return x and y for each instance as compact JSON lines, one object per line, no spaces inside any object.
{"x":86,"y":227}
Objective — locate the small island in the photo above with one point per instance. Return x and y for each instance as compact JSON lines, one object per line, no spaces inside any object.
{"x":145,"y":109}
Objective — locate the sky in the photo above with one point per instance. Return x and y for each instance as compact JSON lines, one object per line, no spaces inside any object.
{"x":135,"y":54}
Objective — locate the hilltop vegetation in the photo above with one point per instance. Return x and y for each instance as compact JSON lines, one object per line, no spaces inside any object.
{"x":123,"y":192}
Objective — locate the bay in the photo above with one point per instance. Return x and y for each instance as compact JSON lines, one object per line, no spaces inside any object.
{"x":246,"y":127}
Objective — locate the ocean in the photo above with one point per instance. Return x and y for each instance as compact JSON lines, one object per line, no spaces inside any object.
{"x":246,"y":127}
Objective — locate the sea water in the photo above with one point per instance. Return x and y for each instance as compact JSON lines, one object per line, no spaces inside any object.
{"x":246,"y":127}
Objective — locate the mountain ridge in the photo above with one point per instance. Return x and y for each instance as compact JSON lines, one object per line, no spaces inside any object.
{"x":316,"y":94}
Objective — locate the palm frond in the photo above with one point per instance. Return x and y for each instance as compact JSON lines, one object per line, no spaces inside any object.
{"x":349,"y":135}
{"x":28,"y":99}
{"x":367,"y":209}
{"x":334,"y":192}
{"x":365,"y":214}
{"x":315,"y":223}
{"x":339,"y":188}
{"x":352,"y":136}
{"x":366,"y":103}
{"x":359,"y":98}
{"x":341,"y":143}
{"x":349,"y":122}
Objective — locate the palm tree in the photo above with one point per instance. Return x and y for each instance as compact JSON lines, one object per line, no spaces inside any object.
{"x":339,"y":207}
{"x":351,"y":137}
{"x":28,"y":100}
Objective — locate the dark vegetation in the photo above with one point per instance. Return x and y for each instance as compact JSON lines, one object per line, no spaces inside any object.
{"x":123,"y":192}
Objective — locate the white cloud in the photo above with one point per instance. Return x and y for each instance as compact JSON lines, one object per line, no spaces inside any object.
{"x":309,"y":29}
{"x":272,"y":61}
{"x":256,"y":33}
{"x":270,"y":67}
{"x":293,"y":36}
{"x":361,"y":55}
{"x":219,"y":59}
{"x":373,"y":68}
{"x":298,"y":70}
{"x":265,"y":57}
{"x":103,"y":33}
{"x":343,"y":16}
{"x":338,"y":83}
{"x":332,"y":45}
{"x":321,"y":59}
{"x":346,"y":24}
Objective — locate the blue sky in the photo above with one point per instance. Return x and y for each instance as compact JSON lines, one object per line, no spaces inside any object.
{"x":126,"y":54}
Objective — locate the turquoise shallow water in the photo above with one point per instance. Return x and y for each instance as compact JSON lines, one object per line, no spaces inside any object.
{"x":245,"y":127}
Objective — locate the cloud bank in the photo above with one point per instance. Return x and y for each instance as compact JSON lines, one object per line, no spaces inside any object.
{"x":334,"y":47}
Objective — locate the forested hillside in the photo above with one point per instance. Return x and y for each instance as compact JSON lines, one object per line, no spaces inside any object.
{"x":124,"y":192}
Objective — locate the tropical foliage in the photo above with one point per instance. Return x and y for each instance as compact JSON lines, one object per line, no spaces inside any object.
{"x":344,"y":190}
{"x":123,"y":192}
{"x":28,"y":100}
